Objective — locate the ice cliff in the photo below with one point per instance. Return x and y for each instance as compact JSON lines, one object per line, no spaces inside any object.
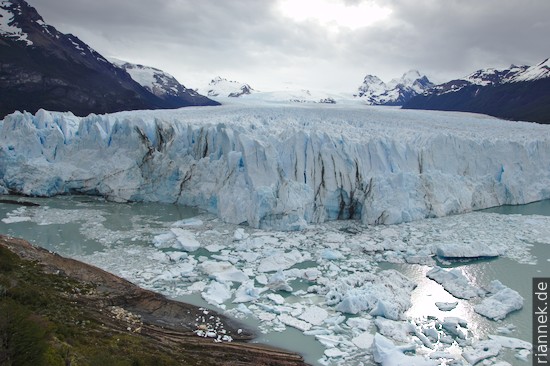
{"x":282,"y":167}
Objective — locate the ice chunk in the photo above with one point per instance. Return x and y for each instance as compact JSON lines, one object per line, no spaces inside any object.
{"x":314,"y":315}
{"x":465,"y":250}
{"x":359,"y":323}
{"x":454,"y":282}
{"x":455,"y":326}
{"x":446,"y":306}
{"x":176,"y":256}
{"x":277,"y":282}
{"x":334,"y":353}
{"x":397,"y":330}
{"x":163,"y":240}
{"x":214,"y":248}
{"x":247,"y":292}
{"x":293,"y":322}
{"x":509,"y":342}
{"x":276,"y":298}
{"x":280,"y":261}
{"x":329,"y":341}
{"x":331,"y":254}
{"x":388,"y":295}
{"x":500,"y":304}
{"x":480,"y":351}
{"x":386,"y":353}
{"x":15,"y":219}
{"x":240,"y":234}
{"x":363,"y":340}
{"x":223,"y":271}
{"x":186,"y":239}
{"x":216,"y":293}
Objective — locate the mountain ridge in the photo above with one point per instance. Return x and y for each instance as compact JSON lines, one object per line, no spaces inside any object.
{"x":515,"y":93}
{"x":41,"y":67}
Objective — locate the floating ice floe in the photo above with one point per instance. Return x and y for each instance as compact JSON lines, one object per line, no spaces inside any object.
{"x":454,"y":282}
{"x":456,"y":327}
{"x":223,"y":271}
{"x":387,"y":294}
{"x":186,"y":239}
{"x":314,"y":315}
{"x":465,"y":251}
{"x":446,"y":306}
{"x":280,"y":261}
{"x":509,"y":342}
{"x":386,"y":353}
{"x":503,"y":301}
{"x":481,"y":350}
{"x":217,"y":293}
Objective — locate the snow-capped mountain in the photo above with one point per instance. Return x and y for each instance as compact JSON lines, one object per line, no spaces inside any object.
{"x":44,"y":68}
{"x":517,"y":92}
{"x":221,"y":87}
{"x":537,"y":72}
{"x":161,"y":83}
{"x":397,"y":92}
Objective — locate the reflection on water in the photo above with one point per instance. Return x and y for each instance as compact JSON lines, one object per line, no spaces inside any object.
{"x":480,"y":273}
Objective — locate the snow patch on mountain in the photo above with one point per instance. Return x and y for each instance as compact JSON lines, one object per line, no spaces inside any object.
{"x":158,"y":82}
{"x":282,"y":166}
{"x":8,"y":26}
{"x":539,"y":71}
{"x":375,"y":92}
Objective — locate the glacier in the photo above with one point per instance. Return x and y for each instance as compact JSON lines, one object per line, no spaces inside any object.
{"x":282,"y":166}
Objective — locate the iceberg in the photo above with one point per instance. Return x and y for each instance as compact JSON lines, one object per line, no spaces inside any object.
{"x":454,"y":282}
{"x":481,"y":350}
{"x":386,"y":353}
{"x":465,"y":251}
{"x":503,"y":301}
{"x":281,"y":166}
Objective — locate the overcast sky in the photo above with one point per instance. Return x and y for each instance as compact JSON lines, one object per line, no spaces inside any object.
{"x":317,"y":44}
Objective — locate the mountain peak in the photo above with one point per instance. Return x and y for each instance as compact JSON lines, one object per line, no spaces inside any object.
{"x":375,"y":92}
{"x":221,"y":87}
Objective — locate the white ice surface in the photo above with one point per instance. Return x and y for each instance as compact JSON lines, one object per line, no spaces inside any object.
{"x":282,"y":166}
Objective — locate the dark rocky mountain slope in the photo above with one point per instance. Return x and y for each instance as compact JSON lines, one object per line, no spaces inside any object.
{"x":41,"y":67}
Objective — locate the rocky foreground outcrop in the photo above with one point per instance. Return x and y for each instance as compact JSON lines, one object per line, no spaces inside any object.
{"x":55,"y":310}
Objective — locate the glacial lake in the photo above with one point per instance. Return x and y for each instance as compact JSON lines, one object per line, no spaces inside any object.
{"x":96,"y":231}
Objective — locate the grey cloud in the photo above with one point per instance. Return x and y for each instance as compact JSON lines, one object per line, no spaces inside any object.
{"x":250,"y":40}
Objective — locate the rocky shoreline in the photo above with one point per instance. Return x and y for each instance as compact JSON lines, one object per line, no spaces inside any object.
{"x":113,"y":308}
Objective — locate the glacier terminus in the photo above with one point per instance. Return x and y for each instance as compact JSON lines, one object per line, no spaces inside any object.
{"x":282,"y":166}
